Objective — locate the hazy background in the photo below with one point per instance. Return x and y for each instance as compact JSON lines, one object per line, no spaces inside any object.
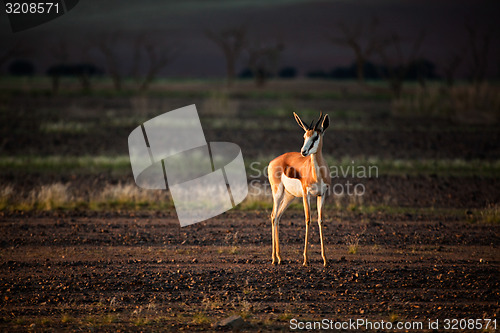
{"x":301,"y":26}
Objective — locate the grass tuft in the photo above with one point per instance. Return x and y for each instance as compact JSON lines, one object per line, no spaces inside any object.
{"x":489,"y":214}
{"x":352,"y":241}
{"x":66,"y":318}
{"x":201,"y":318}
{"x":141,"y":321}
{"x":50,"y":197}
{"x":6,"y":196}
{"x":393,"y":317}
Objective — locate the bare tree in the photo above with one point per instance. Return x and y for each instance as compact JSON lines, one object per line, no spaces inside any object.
{"x":451,"y":65}
{"x":83,"y":69}
{"x":149,"y":55}
{"x":263,"y":60}
{"x":362,"y":40}
{"x":479,"y":45}
{"x":397,"y":61}
{"x":232,"y":42}
{"x":158,"y":57}
{"x":107,"y":45}
{"x":59,"y":51}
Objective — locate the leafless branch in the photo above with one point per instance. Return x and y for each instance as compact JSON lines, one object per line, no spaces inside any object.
{"x":362,"y":40}
{"x":232,"y":42}
{"x":263,"y":60}
{"x":398,"y":62}
{"x":479,"y":43}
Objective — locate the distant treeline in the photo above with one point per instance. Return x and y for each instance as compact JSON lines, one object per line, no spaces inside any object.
{"x":417,"y":70}
{"x":27,"y":68}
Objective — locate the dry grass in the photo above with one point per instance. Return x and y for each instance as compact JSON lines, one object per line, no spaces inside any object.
{"x":242,"y":307}
{"x":219,"y":103}
{"x":144,"y":315}
{"x":201,"y":318}
{"x":124,"y":193}
{"x":352,"y":241}
{"x":259,"y":197}
{"x":350,"y":202}
{"x":489,"y":214}
{"x":212,"y":302}
{"x":423,"y":102}
{"x":479,"y":104}
{"x":67,"y":196}
{"x":465,"y":103}
{"x":49,"y":197}
{"x":393,"y":317}
{"x":232,"y":244}
{"x":66,"y":318}
{"x":6,"y":196}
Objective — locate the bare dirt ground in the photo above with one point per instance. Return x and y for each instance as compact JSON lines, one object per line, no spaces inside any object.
{"x":425,"y":256}
{"x":142,"y":272}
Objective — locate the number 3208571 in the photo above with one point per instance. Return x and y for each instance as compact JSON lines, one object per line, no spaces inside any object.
{"x":31,"y":7}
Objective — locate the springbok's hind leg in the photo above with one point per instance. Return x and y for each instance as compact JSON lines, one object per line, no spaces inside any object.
{"x":277,"y":198}
{"x":285,"y":202}
{"x":320,"y":202}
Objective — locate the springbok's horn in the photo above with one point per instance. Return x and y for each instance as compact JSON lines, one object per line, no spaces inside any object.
{"x":319,"y":121}
{"x":310,"y":126}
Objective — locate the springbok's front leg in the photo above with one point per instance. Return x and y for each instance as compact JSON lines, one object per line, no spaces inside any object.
{"x":274,"y":228}
{"x":307,"y":212}
{"x":273,"y":214}
{"x":320,"y":201}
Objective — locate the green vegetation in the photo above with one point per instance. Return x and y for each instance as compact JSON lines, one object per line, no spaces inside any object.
{"x":65,"y":164}
{"x":195,"y":88}
{"x":380,"y":167}
{"x":120,"y":165}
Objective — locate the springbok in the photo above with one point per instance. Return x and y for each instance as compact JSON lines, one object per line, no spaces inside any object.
{"x":303,"y":175}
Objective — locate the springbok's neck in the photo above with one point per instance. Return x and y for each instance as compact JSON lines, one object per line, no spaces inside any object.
{"x":316,"y":159}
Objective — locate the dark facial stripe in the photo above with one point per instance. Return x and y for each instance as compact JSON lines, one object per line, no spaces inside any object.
{"x":313,"y":142}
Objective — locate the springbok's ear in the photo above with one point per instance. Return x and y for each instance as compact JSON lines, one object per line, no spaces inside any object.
{"x":299,"y":121}
{"x":325,"y":123}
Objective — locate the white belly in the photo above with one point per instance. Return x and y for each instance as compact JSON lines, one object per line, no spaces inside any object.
{"x":292,"y":186}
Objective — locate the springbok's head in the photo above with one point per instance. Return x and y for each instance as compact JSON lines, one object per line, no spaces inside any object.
{"x":313,"y":135}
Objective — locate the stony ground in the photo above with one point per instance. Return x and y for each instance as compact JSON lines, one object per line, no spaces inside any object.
{"x":142,"y":272}
{"x":424,"y":255}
